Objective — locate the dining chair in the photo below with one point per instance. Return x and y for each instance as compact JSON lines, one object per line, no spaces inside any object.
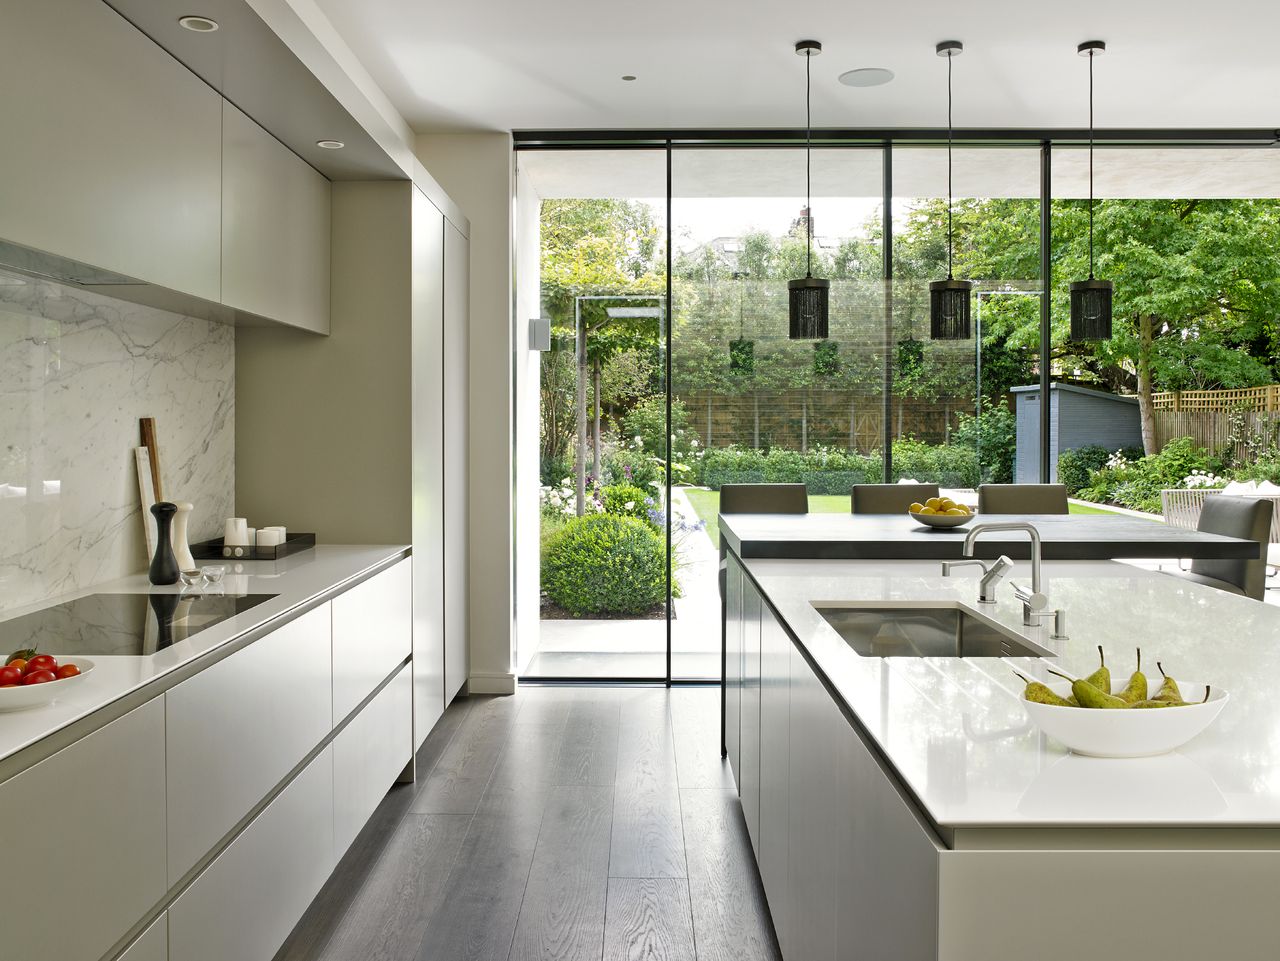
{"x":1022,"y":499}
{"x":759,"y":499}
{"x":889,"y":498}
{"x":1246,"y":517}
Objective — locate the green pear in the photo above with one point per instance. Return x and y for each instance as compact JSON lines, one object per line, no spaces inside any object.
{"x":1101,"y":678}
{"x":1042,"y":693}
{"x":1136,"y":689}
{"x":1169,"y":689}
{"x":1090,"y":696}
{"x":1152,"y":702}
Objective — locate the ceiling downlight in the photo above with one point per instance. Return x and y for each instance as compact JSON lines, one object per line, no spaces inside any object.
{"x":198,"y":24}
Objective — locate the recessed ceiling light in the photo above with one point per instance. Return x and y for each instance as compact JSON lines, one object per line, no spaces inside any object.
{"x":199,"y":24}
{"x":628,"y":76}
{"x":866,"y":77}
{"x":330,"y":144}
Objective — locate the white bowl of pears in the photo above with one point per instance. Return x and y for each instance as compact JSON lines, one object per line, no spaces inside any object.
{"x":1133,"y":717}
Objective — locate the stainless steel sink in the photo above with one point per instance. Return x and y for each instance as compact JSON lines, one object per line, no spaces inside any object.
{"x":924,"y":632}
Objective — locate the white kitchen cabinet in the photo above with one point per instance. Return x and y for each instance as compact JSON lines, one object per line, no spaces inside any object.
{"x":733,"y":667}
{"x":749,"y":778}
{"x":427,"y":460}
{"x":812,"y":812}
{"x":275,"y":228}
{"x":113,"y":149}
{"x":236,"y":729}
{"x":457,"y":274}
{"x":85,"y":833}
{"x":245,"y":903}
{"x":775,"y":769}
{"x":372,"y":635}
{"x":368,"y":756}
{"x":152,"y":944}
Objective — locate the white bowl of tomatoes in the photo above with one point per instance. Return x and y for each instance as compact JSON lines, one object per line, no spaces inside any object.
{"x":30,"y":679}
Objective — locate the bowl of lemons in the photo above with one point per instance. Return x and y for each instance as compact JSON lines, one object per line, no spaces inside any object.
{"x":940,"y":513}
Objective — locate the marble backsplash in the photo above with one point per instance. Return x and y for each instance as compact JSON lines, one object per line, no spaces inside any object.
{"x":77,"y":370}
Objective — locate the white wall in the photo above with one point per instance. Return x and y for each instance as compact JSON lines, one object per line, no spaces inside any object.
{"x":476,"y":170}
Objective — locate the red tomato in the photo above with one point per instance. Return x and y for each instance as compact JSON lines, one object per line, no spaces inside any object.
{"x":10,"y":675}
{"x":41,"y":662}
{"x":19,"y":663}
{"x":39,"y":677}
{"x":67,"y":670}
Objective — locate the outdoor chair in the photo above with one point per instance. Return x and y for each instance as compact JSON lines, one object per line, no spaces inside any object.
{"x":1247,"y":517}
{"x":1022,"y":499}
{"x":889,"y":498}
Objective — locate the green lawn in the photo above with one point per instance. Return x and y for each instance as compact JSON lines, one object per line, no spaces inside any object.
{"x":707,"y":504}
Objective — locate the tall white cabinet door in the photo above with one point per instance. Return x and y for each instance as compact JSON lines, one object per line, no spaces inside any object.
{"x":152,"y":944}
{"x":236,"y":730}
{"x":85,"y":834}
{"x":457,"y":274}
{"x":372,"y":635}
{"x":749,"y":750}
{"x":275,"y":228}
{"x":112,"y":149}
{"x":775,"y":770}
{"x":733,"y":666}
{"x":427,"y":459}
{"x":247,"y":901}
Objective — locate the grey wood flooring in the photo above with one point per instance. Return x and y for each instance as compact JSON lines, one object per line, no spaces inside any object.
{"x":560,"y":824}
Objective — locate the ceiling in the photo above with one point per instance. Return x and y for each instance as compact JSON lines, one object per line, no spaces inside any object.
{"x":557,"y":64}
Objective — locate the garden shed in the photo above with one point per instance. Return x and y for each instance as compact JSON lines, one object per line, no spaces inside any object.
{"x":1078,"y":416}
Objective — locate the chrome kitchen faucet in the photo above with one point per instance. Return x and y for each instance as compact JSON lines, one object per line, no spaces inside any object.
{"x":1033,"y":599}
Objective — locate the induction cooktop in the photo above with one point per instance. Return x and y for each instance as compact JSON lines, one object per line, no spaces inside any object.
{"x":121,"y":623}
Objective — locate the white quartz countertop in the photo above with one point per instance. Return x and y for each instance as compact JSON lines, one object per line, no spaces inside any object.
{"x":956,"y":733}
{"x":297,"y":581}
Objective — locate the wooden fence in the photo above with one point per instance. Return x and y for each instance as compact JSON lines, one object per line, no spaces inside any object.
{"x":1262,"y":399}
{"x":1212,"y":429}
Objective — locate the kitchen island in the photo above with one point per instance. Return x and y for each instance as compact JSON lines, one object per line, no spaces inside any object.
{"x":219,"y":771}
{"x":905,"y":807}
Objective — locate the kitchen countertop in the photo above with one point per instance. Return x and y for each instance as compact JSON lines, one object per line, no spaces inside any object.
{"x":1073,"y":537}
{"x":956,"y":734}
{"x":299,"y":581}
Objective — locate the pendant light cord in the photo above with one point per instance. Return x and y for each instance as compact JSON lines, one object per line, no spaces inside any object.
{"x":1091,"y":53}
{"x":950,"y":201}
{"x":808,"y":170}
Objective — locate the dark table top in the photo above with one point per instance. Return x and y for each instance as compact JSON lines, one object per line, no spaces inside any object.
{"x":1064,"y":537}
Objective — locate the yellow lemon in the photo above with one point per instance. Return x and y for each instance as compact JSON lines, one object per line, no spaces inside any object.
{"x":955,"y":511}
{"x":934,"y":502}
{"x":964,"y":508}
{"x":947,"y":503}
{"x":916,"y":508}
{"x":927,"y":510}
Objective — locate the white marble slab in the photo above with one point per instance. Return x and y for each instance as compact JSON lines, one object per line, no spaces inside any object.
{"x":296,"y":580}
{"x":955,"y":731}
{"x":77,"y":370}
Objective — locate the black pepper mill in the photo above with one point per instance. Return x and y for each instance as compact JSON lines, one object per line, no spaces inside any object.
{"x":164,"y":566}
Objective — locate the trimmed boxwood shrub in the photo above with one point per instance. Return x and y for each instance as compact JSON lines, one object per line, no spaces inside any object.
{"x":605,"y":564}
{"x":1075,"y":466}
{"x":617,"y":497}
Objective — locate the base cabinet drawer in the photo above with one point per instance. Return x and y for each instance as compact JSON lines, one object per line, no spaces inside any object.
{"x":152,"y":944}
{"x":368,"y":756}
{"x":246,"y":902}
{"x":372,"y":633}
{"x":102,"y":858}
{"x":236,"y":730}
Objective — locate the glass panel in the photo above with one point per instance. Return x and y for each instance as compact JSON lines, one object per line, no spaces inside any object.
{"x":1181,"y":396}
{"x":953,"y":400}
{"x":750,"y":404}
{"x":602,"y":277}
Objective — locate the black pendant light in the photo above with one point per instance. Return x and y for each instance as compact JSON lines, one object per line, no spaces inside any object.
{"x":1091,"y":299}
{"x":949,"y":299}
{"x":808,"y":296}
{"x":742,"y":352}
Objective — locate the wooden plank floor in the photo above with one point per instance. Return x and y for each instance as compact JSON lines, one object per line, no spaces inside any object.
{"x":561,"y":824}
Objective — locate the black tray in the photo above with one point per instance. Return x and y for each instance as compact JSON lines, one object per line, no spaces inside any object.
{"x":214,"y":551}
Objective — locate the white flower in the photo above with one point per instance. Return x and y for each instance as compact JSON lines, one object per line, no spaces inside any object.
{"x":629,"y":505}
{"x":639,"y":440}
{"x":694,"y":442}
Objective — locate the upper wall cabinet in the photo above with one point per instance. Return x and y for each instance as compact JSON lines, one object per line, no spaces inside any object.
{"x":275,"y":228}
{"x":112,"y":148}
